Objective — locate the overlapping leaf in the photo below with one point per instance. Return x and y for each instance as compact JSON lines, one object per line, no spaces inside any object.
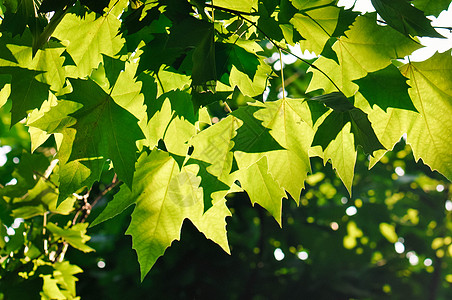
{"x":429,"y":132}
{"x":104,"y":129}
{"x":164,"y":196}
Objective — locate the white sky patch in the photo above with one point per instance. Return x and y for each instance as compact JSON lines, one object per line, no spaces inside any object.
{"x":399,"y":247}
{"x":448,"y":205}
{"x":3,"y":151}
{"x":279,"y":254}
{"x":428,"y":262}
{"x":303,"y":255}
{"x":399,"y":171}
{"x":351,"y":211}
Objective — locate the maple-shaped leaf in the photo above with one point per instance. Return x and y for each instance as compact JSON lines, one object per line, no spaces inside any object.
{"x":228,"y":55}
{"x":75,"y":235}
{"x":209,"y":183}
{"x":214,"y":145}
{"x":251,"y":87}
{"x":342,"y":154}
{"x":344,"y":112}
{"x":262,"y":188}
{"x":47,"y":63}
{"x":316,"y":26}
{"x":27,"y":93}
{"x":429,"y":132}
{"x":252,"y":137}
{"x":246,"y":6}
{"x":99,"y":36}
{"x":165,"y":196}
{"x":345,"y":20}
{"x":75,"y":174}
{"x":405,"y":18}
{"x":365,"y":48}
{"x":386,"y":88}
{"x":284,"y":118}
{"x":431,"y":7}
{"x":104,"y":129}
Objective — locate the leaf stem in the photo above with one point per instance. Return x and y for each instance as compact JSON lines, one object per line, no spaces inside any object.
{"x":282,"y":74}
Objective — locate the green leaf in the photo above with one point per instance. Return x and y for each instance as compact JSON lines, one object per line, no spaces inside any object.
{"x":75,"y":235}
{"x":431,"y":7}
{"x":232,"y":54}
{"x":365,"y":48}
{"x":346,"y":18}
{"x":252,"y":137}
{"x":209,"y":183}
{"x":113,"y":67}
{"x":342,"y":153}
{"x":100,"y":36}
{"x":429,"y":132}
{"x":104,"y":129}
{"x":285,"y":120}
{"x":316,"y":26}
{"x":251,"y":87}
{"x":239,"y":5}
{"x":386,"y":88}
{"x":214,"y":145}
{"x":262,"y":188}
{"x":343,"y":113}
{"x":405,"y":18}
{"x":204,"y":73}
{"x":27,"y":93}
{"x":50,"y":289}
{"x":164,"y":197}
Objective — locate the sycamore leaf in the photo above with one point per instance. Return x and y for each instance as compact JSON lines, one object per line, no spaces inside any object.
{"x":429,"y":132}
{"x":100,"y":36}
{"x":365,"y":48}
{"x":285,"y":120}
{"x":262,"y":188}
{"x":344,"y":112}
{"x":165,"y":196}
{"x":177,"y":136}
{"x":75,"y":235}
{"x":214,"y":145}
{"x":239,"y":5}
{"x":431,"y":7}
{"x":346,"y":18}
{"x":204,"y":73}
{"x":209,"y":183}
{"x":251,"y":86}
{"x":404,"y":17}
{"x":50,"y":289}
{"x":104,"y":129}
{"x":342,"y":153}
{"x":252,"y":137}
{"x":316,"y":26}
{"x":113,"y":67}
{"x":26,"y":92}
{"x":48,"y":63}
{"x":386,"y":88}
{"x":232,"y":54}
{"x":75,"y":174}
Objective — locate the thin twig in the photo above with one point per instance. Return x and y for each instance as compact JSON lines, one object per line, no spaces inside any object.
{"x":282,"y":74}
{"x":289,"y":52}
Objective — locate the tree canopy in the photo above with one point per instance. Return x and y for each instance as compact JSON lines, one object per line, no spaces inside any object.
{"x":174,"y":110}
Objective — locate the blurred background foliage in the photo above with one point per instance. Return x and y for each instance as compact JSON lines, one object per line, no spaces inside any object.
{"x":390,"y":240}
